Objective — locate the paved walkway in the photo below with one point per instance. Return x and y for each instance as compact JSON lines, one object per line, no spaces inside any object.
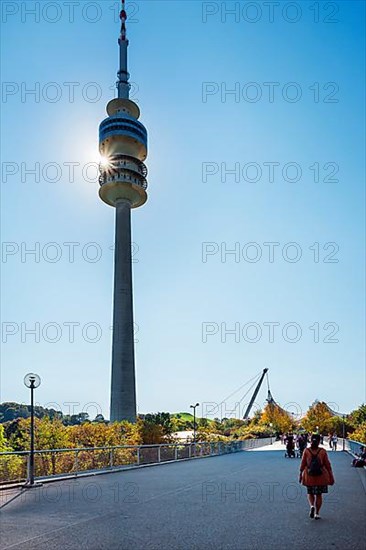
{"x":242,"y":501}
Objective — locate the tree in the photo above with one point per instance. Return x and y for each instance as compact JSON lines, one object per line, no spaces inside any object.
{"x":75,"y":419}
{"x":3,"y":442}
{"x":357,"y":421}
{"x":280,"y":419}
{"x":203,"y":423}
{"x":318,"y":417}
{"x":358,"y":416}
{"x":51,"y":434}
{"x":360,"y":433}
{"x":11,"y":411}
{"x":152,"y":433}
{"x":11,"y":466}
{"x":48,"y":434}
{"x":161,"y":419}
{"x":256,"y":419}
{"x":17,"y":433}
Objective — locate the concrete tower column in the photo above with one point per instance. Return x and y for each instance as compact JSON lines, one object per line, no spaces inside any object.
{"x":123,"y":392}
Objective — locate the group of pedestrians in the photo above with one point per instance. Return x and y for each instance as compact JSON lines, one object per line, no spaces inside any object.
{"x":297,"y":442}
{"x":315,"y":469}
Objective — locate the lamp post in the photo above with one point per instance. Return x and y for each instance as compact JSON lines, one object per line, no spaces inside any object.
{"x":194,"y":420}
{"x":343,"y":433}
{"x":271,"y":426}
{"x":31,"y":381}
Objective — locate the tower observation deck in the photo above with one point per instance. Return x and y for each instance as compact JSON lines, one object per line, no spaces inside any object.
{"x":123,"y":184}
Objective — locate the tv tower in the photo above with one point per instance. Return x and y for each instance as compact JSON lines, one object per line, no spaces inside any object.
{"x":123,"y":145}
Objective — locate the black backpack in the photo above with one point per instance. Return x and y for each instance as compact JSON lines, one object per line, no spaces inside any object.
{"x":315,"y":469}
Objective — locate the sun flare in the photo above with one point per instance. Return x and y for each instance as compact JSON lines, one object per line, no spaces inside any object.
{"x":104,"y":161}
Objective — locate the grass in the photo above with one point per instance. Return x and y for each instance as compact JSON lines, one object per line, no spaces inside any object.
{"x":187,"y":417}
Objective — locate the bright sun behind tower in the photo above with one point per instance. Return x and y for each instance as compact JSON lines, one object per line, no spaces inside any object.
{"x":104,"y":161}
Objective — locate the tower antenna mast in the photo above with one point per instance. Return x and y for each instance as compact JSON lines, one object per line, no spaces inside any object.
{"x":123,"y":85}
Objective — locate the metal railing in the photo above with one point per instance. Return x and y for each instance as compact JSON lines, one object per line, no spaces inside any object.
{"x":53,"y":463}
{"x":353,"y":447}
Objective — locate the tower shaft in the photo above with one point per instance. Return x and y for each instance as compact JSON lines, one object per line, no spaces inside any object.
{"x":123,"y":392}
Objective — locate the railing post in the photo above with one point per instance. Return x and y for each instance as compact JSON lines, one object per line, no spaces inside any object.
{"x":159,"y":454}
{"x":111,"y":458}
{"x":28,"y":467}
{"x":189,"y":450}
{"x":138,"y":456}
{"x":176,"y":452}
{"x":76,"y":463}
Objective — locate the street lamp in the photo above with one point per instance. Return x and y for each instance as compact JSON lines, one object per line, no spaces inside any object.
{"x":271,"y":426}
{"x":194,"y":420}
{"x":31,"y":381}
{"x":343,"y":433}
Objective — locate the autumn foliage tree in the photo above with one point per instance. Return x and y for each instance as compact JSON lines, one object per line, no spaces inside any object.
{"x":151,"y":433}
{"x":10,"y":466}
{"x":281,"y":420}
{"x":357,"y":419}
{"x":318,"y":418}
{"x":4,"y":446}
{"x":360,"y":433}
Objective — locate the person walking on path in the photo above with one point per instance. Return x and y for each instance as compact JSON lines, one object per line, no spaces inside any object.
{"x":316,"y":474}
{"x":334,"y":441}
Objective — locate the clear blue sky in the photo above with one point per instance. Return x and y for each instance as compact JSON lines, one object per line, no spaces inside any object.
{"x":175,"y":48}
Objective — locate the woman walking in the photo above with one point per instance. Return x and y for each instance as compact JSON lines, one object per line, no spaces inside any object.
{"x":316,"y":474}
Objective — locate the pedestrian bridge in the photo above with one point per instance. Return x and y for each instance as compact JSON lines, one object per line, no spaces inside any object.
{"x":244,"y":500}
